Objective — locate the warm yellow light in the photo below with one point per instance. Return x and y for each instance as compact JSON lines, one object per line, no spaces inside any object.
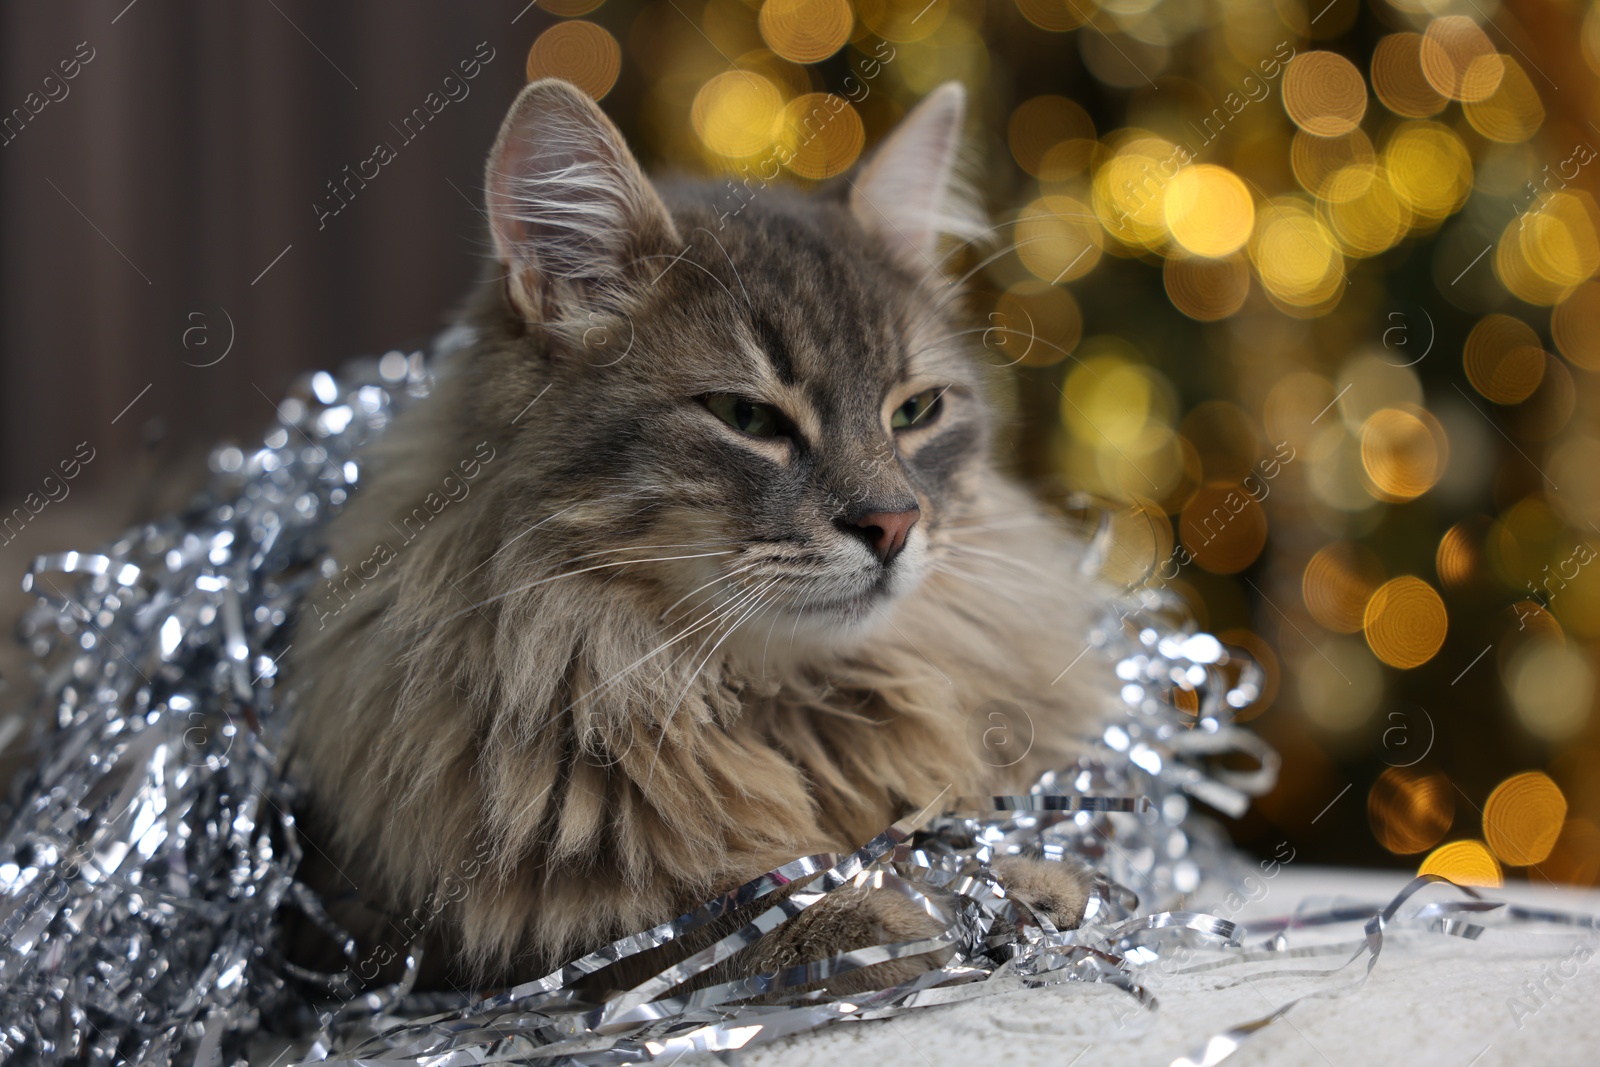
{"x":1207,"y":289}
{"x":1058,"y":238}
{"x":1410,"y":810}
{"x":1522,"y":818}
{"x":1429,"y":168}
{"x":1464,"y":863}
{"x":1034,"y":324}
{"x":1224,"y":527}
{"x":1363,"y":210}
{"x":1338,"y":582}
{"x":1559,"y":239}
{"x":823,"y":135}
{"x":1106,"y":398}
{"x":1316,"y":159}
{"x":1398,"y":79}
{"x":581,"y":53}
{"x":806,"y":31}
{"x":1513,"y":112}
{"x":902,"y":21}
{"x":1459,"y":557}
{"x":1459,"y":60}
{"x":1575,"y":325}
{"x":1405,"y":622}
{"x":1503,"y":359}
{"x":737,"y":113}
{"x":1208,"y":210}
{"x":1324,"y":93}
{"x":1041,"y":124}
{"x":1403,"y":451}
{"x":1057,"y":16}
{"x":1295,"y":255}
{"x":1130,"y":191}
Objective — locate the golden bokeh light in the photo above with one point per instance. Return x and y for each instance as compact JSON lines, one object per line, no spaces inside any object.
{"x":569,"y":8}
{"x":1324,"y":94}
{"x":1207,"y":289}
{"x":580,"y":52}
{"x":1559,"y":240}
{"x":1398,"y":80}
{"x":1575,"y":860}
{"x":1364,"y":211}
{"x":1404,"y":451}
{"x":904,"y":21}
{"x":1223,"y":527}
{"x":1034,"y":324}
{"x":1338,"y":582}
{"x":1208,"y":210}
{"x":1459,"y":60}
{"x":806,"y":31}
{"x":1316,"y":159}
{"x":1410,"y":810}
{"x":1109,"y":399}
{"x":1042,"y":124}
{"x":1057,"y":16}
{"x":737,"y":113}
{"x":1459,"y":558}
{"x":1513,"y":112}
{"x":1130,"y":190}
{"x":1518,"y":275}
{"x":1296,"y":256}
{"x":1058,"y":239}
{"x":1429,"y":168}
{"x":1551,"y":686}
{"x":1464,"y":863}
{"x":1523,"y":817}
{"x":1503,"y":358}
{"x":823,"y":135}
{"x":1405,"y":621}
{"x":1523,"y":540}
{"x":1575,"y":326}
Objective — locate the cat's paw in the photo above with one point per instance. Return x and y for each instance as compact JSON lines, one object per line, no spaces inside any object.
{"x":853,"y":918}
{"x":1057,"y":889}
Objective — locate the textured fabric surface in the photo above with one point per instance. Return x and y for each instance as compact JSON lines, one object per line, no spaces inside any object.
{"x":1430,"y":1000}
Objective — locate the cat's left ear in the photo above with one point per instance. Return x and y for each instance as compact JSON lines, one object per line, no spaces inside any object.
{"x":908,"y":194}
{"x":570,"y":210}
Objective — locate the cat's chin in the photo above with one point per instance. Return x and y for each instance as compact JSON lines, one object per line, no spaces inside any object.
{"x":818,"y":628}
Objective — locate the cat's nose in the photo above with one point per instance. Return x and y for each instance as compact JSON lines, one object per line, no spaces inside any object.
{"x":886,"y":531}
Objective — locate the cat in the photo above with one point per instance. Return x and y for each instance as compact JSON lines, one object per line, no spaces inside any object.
{"x":732,"y":580}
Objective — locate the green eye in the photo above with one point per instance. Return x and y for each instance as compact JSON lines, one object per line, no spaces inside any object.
{"x":757,"y":420}
{"x":918,"y":411}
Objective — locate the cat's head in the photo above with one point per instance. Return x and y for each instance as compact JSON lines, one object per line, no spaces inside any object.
{"x":771,"y":397}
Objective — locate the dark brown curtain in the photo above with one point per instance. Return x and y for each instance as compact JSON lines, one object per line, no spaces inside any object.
{"x":169,"y":187}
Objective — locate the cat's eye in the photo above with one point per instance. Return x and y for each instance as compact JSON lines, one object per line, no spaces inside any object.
{"x":746,"y":416}
{"x":918,"y":411}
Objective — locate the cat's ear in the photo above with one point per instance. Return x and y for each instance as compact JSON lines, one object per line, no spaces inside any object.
{"x":569,"y":208}
{"x":908,"y":195}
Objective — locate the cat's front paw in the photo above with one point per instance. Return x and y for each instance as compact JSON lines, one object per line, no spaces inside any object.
{"x":1057,"y":889}
{"x":853,"y":918}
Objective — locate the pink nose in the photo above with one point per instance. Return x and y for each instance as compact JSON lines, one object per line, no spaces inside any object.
{"x":886,"y":531}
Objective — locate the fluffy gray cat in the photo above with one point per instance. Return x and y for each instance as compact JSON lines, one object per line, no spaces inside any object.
{"x":694,"y":562}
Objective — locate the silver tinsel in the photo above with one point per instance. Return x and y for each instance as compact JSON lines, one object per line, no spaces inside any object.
{"x":150,"y":853}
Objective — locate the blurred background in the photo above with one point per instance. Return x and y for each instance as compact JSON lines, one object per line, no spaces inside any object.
{"x":1299,"y":296}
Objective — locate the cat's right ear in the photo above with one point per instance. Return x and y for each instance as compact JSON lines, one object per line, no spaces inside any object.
{"x":569,"y":208}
